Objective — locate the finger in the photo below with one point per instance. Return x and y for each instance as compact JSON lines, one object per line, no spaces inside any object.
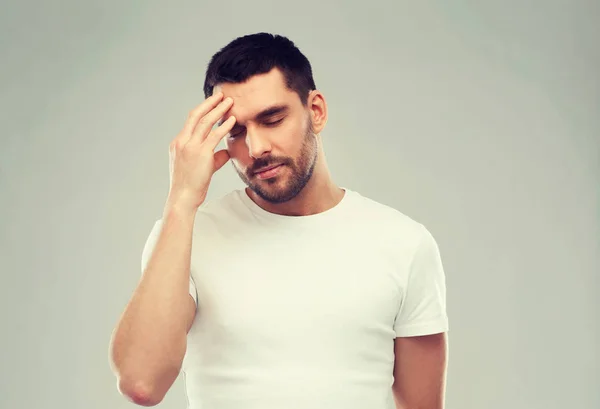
{"x":221,"y":157}
{"x":200,"y":111}
{"x":208,"y":121}
{"x":217,"y":134}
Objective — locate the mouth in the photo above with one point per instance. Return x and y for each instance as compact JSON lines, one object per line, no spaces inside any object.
{"x":265,"y":169}
{"x":268,"y":171}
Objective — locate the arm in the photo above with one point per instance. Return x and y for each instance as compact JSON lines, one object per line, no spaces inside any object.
{"x":421,"y":327}
{"x":149,"y":341}
{"x":420,"y":371}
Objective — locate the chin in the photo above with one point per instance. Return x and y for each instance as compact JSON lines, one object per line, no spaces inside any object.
{"x":269,"y":192}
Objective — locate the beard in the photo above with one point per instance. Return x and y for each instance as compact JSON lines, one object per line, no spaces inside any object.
{"x":283,"y":188}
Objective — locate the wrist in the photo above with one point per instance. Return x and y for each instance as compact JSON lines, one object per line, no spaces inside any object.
{"x":178,"y":211}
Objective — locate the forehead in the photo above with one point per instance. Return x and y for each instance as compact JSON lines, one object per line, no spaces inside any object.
{"x":257,"y":93}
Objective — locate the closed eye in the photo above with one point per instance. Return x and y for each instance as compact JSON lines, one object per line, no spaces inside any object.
{"x":272,"y":123}
{"x":237,"y":132}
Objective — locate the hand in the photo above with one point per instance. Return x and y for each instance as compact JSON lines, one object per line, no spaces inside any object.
{"x":193,"y":159}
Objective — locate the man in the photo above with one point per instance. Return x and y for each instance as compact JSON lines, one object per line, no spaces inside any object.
{"x":291,"y":293}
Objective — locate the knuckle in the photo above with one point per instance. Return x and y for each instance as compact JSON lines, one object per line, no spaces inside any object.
{"x":176,"y":145}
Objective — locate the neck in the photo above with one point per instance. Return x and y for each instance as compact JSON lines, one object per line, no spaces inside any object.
{"x":319,"y":194}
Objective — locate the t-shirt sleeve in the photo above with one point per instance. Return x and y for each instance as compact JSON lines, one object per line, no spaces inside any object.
{"x":149,"y":248}
{"x":423,"y":307}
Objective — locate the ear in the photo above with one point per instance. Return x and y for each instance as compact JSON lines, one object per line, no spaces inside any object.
{"x":318,"y":110}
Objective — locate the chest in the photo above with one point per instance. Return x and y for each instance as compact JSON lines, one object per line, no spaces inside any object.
{"x":330,"y":287}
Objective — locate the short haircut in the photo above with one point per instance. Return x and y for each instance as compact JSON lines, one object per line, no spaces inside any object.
{"x":259,"y":53}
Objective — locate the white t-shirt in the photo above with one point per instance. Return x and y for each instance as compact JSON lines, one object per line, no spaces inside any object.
{"x":302,"y":312}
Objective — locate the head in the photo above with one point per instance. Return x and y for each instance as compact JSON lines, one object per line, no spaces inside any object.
{"x":279,"y":113}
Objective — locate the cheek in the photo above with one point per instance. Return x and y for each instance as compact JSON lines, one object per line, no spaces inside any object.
{"x":234,"y":147}
{"x":238,"y":152}
{"x":290,"y":137}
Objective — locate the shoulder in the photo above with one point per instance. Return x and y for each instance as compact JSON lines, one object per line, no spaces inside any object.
{"x":221,"y":205}
{"x":399,"y":238}
{"x":221,"y":212}
{"x":387,"y":220}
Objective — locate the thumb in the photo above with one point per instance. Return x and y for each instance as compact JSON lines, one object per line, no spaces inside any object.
{"x":221,"y":157}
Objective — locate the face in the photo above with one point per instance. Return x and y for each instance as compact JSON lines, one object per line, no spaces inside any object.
{"x":273,"y":145}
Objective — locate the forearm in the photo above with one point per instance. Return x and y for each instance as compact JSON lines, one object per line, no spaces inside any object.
{"x":149,"y":341}
{"x":420,"y":371}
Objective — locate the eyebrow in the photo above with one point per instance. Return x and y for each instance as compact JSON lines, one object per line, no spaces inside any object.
{"x":265,"y":114}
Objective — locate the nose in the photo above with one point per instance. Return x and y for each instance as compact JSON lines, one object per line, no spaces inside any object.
{"x":257,"y":145}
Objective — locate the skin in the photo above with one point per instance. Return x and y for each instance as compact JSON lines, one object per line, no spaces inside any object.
{"x":420,"y":371}
{"x":304,"y":185}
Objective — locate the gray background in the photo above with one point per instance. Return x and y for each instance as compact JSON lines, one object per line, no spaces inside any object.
{"x":480,"y":120}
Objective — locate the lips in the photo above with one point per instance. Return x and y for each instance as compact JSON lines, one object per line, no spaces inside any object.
{"x":266,"y":169}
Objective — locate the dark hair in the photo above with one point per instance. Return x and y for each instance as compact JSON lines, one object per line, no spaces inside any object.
{"x":259,"y":53}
